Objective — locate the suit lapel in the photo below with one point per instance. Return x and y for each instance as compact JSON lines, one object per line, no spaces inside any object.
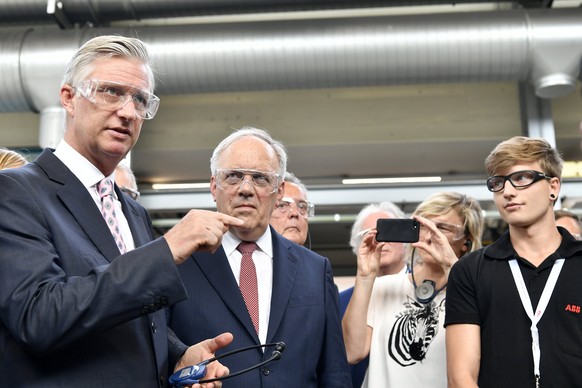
{"x":219,"y":274}
{"x":138,"y":229}
{"x":284,"y":271}
{"x":80,"y":204}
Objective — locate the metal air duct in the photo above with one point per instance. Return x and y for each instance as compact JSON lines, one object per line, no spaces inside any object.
{"x":540,"y":46}
{"x":67,"y":13}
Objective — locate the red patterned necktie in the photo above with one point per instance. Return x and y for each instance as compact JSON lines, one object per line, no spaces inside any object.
{"x":248,"y":281}
{"x":105,"y":190}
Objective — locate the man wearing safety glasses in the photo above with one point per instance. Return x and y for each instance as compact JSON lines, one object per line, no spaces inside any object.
{"x":260,"y":286}
{"x":292,"y":212}
{"x":83,"y":283}
{"x":513,"y":313}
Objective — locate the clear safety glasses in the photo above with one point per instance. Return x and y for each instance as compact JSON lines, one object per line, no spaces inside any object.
{"x":263,"y":182}
{"x":114,"y":95}
{"x":304,"y":208}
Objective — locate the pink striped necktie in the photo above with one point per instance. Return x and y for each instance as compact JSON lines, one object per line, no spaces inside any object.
{"x":105,"y":190}
{"x":248,"y":281}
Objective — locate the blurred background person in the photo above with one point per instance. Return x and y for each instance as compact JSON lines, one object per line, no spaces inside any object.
{"x":126,"y":181}
{"x":291,"y":213}
{"x":398,"y":319}
{"x":11,"y":159}
{"x":570,"y":222}
{"x":391,"y":262}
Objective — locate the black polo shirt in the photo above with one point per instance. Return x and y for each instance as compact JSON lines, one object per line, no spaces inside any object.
{"x":482,"y":291}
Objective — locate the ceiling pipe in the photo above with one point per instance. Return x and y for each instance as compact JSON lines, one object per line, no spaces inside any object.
{"x":67,"y":13}
{"x":543,"y":47}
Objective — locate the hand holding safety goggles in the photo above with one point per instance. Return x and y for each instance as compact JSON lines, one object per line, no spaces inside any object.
{"x":194,"y":374}
{"x":114,"y":95}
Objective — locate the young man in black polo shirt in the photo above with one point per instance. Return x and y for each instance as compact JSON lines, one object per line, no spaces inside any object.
{"x":513,"y":312}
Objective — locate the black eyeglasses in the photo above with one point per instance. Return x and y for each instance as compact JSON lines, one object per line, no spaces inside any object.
{"x":518,"y":179}
{"x":129,"y":191}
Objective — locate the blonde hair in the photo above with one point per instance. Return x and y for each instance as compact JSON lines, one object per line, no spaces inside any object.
{"x":11,"y":159}
{"x":524,"y":149}
{"x":466,"y":207}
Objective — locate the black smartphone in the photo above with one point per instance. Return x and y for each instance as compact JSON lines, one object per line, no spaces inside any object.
{"x":397,"y":230}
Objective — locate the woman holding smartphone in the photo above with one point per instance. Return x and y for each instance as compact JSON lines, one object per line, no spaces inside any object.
{"x":398,"y":319}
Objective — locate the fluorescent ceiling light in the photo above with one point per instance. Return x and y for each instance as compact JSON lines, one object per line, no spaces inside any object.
{"x":370,"y":181}
{"x":180,"y":186}
{"x":572,"y":170}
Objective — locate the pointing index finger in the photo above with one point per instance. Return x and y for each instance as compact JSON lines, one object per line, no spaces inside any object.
{"x":230,"y":220}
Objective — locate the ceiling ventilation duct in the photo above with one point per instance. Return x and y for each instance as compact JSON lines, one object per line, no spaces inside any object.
{"x":540,"y":46}
{"x":100,"y":12}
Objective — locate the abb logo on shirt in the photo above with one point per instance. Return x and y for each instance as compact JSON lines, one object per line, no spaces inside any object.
{"x":573,"y":308}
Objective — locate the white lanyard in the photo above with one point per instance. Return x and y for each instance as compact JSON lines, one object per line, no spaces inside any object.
{"x":543,"y":303}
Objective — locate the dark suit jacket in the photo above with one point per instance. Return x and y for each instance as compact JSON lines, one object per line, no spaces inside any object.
{"x":72,"y":312}
{"x":358,"y":370}
{"x":304,"y":315}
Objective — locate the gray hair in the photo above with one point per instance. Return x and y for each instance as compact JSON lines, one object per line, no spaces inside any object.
{"x":291,"y":178}
{"x":387,"y":207}
{"x":125,"y":168}
{"x":106,"y":46}
{"x":277,"y":146}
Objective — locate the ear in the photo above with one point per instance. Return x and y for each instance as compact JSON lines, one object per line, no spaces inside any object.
{"x":213,"y":187}
{"x":555,"y":186}
{"x":68,"y":99}
{"x":281,"y":191}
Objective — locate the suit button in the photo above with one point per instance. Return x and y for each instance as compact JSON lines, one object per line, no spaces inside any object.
{"x":266,"y":371}
{"x":154,"y":328}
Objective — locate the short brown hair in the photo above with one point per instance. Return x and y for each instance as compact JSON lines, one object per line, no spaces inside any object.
{"x":524,"y":149}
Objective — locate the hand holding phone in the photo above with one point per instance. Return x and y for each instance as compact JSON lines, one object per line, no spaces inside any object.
{"x":403,"y":230}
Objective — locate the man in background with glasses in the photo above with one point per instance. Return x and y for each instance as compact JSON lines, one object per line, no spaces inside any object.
{"x":125,"y":179}
{"x":83,"y":283}
{"x":513,"y":309}
{"x":260,"y":286}
{"x":569,"y":221}
{"x":291,"y":215}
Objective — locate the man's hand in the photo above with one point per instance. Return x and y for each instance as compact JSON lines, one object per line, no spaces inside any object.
{"x":203,"y":351}
{"x":199,"y":230}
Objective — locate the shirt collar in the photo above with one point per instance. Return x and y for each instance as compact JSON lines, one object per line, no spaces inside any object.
{"x":82,"y":168}
{"x":265,"y":243}
{"x":503,"y":250}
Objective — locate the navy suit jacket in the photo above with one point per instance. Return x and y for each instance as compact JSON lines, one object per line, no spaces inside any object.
{"x":304,"y":314}
{"x":358,"y":370}
{"x":72,"y":312}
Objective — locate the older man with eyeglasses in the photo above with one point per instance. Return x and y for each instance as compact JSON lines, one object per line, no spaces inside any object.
{"x":291,"y":215}
{"x":258,"y":285}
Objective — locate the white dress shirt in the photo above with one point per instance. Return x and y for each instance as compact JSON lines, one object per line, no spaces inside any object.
{"x":90,"y":176}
